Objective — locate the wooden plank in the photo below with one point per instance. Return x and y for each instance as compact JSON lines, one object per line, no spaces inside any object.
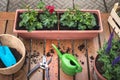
{"x":2,"y":30}
{"x":36,"y":57}
{"x":21,"y":74}
{"x":28,"y":46}
{"x":2,"y":26}
{"x":92,"y":48}
{"x":115,"y":16}
{"x":65,"y":47}
{"x":5,"y":77}
{"x":80,"y":53}
{"x":114,"y":25}
{"x":9,"y":29}
{"x":114,"y":19}
{"x":53,"y":66}
{"x":106,"y":31}
{"x":7,"y":15}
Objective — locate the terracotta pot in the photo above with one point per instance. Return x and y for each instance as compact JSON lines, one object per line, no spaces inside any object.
{"x":100,"y":77}
{"x":59,"y":34}
{"x":13,"y":42}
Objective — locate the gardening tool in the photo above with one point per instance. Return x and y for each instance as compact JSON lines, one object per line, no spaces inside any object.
{"x":6,"y":56}
{"x":43,"y":65}
{"x":69,"y":63}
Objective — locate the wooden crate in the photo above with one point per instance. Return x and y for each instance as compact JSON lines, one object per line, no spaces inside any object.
{"x":114,"y":19}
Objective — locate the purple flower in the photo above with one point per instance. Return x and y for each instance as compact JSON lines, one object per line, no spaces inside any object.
{"x":116,"y":60}
{"x":109,"y":44}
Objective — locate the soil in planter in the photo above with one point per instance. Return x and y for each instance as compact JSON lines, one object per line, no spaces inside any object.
{"x":97,"y":27}
{"x":99,"y":66}
{"x":23,"y":28}
{"x":17,"y":55}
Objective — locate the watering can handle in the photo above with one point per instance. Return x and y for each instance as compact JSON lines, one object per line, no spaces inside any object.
{"x":79,"y":68}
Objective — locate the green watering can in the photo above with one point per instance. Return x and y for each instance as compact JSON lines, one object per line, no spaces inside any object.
{"x":69,"y":63}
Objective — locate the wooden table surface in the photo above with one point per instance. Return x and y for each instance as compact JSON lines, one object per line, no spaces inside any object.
{"x":84,"y":50}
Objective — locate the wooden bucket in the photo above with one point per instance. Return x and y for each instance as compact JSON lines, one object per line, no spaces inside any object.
{"x":13,"y":42}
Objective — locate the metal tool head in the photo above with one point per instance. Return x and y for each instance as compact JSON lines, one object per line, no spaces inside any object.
{"x":45,"y":63}
{"x":47,"y":69}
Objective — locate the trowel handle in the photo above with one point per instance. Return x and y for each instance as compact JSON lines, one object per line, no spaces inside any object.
{"x":79,"y":68}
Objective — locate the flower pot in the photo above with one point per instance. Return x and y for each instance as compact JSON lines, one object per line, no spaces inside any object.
{"x":114,"y":19}
{"x":100,"y":77}
{"x":13,"y":42}
{"x":59,"y":34}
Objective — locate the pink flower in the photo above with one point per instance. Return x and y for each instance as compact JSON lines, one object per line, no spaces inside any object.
{"x":50,"y":9}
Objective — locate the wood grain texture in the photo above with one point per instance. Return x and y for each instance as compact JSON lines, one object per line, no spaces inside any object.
{"x":80,"y":53}
{"x":2,"y":30}
{"x":53,"y":66}
{"x":92,"y":48}
{"x":106,"y":31}
{"x":9,"y":29}
{"x":28,"y":53}
{"x":7,"y":15}
{"x":65,"y":47}
{"x":2,"y":26}
{"x":36,"y":58}
{"x":5,"y":77}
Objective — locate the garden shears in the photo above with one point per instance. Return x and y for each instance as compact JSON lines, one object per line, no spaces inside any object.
{"x":43,"y":65}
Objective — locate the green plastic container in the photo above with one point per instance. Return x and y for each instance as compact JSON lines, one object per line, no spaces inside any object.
{"x":69,"y":63}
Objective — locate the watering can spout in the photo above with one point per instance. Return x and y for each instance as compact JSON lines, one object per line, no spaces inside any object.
{"x":57,"y":50}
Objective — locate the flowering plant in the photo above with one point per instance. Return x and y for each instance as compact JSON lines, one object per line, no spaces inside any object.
{"x":29,"y":20}
{"x":32,"y":20}
{"x":48,"y":17}
{"x":109,"y":59}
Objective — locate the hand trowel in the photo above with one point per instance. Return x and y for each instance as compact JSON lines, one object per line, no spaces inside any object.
{"x":6,"y":56}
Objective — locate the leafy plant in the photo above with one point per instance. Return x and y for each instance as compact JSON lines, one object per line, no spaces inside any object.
{"x":109,"y":56}
{"x":49,"y":17}
{"x":69,"y":19}
{"x":30,"y":21}
{"x":76,"y":18}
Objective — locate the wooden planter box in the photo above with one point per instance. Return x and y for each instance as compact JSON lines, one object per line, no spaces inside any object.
{"x":59,"y":34}
{"x":114,"y":19}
